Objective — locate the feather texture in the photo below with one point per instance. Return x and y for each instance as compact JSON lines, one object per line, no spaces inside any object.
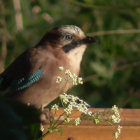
{"x":24,"y":83}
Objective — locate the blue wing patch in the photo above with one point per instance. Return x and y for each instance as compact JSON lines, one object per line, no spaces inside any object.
{"x":24,"y":83}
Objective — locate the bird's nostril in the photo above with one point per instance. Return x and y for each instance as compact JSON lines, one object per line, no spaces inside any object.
{"x":89,"y":39}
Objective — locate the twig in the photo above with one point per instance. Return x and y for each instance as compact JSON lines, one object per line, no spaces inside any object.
{"x":18,"y":15}
{"x":120,"y":31}
{"x":118,"y":69}
{"x":103,"y":7}
{"x":4,"y":38}
{"x":128,"y":66}
{"x":4,"y":53}
{"x":91,"y":77}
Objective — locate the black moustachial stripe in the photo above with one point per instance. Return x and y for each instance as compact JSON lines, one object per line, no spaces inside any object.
{"x":75,"y":44}
{"x":70,"y":46}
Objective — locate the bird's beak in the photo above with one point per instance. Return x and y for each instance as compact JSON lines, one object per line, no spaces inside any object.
{"x":88,"y":40}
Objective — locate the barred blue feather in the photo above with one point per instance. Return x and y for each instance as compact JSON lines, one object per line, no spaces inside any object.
{"x":24,"y":83}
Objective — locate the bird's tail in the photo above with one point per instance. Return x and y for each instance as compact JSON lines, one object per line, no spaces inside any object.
{"x":3,"y":92}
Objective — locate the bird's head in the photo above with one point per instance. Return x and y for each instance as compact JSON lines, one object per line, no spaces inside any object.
{"x":66,"y":37}
{"x":69,"y":38}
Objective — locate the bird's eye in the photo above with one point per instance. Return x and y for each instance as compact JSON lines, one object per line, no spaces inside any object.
{"x":68,"y":37}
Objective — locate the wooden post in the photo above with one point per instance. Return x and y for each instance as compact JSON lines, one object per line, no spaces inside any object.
{"x":130,"y":121}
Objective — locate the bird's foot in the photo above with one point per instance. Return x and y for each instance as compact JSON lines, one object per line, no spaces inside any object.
{"x":46,"y":116}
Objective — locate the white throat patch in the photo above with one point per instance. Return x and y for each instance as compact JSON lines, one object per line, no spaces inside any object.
{"x":75,"y":57}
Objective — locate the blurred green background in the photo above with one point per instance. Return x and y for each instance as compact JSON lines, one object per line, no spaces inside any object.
{"x":111,"y":67}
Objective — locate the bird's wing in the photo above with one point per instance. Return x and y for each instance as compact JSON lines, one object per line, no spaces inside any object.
{"x":20,"y":74}
{"x":25,"y":82}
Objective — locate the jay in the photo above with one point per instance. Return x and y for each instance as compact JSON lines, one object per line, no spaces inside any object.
{"x":31,"y":78}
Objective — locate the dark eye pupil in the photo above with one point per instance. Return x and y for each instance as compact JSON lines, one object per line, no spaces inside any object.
{"x":68,"y":37}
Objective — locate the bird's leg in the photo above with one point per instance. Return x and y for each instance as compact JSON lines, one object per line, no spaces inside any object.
{"x":42,"y":108}
{"x":46,"y":115}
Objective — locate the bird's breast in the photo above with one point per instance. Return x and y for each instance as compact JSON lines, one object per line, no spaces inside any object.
{"x":75,"y":58}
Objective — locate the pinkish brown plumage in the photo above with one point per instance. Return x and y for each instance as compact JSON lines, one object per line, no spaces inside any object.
{"x":63,"y":46}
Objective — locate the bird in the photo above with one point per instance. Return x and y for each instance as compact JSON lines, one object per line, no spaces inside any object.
{"x":31,"y":78}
